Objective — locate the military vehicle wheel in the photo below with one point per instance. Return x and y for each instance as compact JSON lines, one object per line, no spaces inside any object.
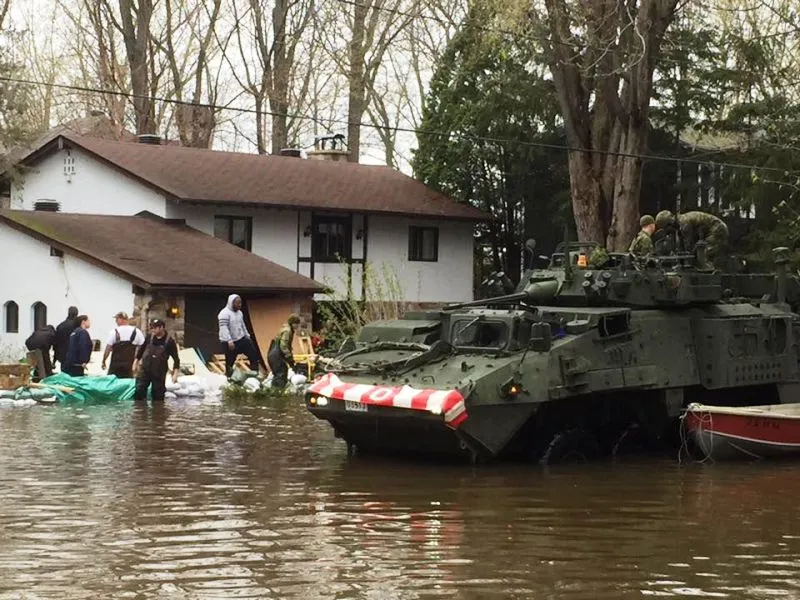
{"x":572,"y":446}
{"x":631,"y":441}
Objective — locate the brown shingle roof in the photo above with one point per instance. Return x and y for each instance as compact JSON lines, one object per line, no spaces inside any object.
{"x":209,"y":176}
{"x":152,"y":252}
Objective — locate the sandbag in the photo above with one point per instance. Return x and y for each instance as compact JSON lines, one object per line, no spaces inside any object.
{"x":251,"y":384}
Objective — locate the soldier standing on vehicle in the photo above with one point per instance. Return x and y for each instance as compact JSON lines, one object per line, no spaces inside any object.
{"x":697,"y":225}
{"x":667,"y":238}
{"x":694,"y":226}
{"x":642,"y":244}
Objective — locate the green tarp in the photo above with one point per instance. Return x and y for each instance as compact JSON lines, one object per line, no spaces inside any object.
{"x":108,"y":388}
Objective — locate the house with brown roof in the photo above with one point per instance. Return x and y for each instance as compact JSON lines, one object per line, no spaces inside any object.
{"x":334,"y":222}
{"x":144,"y":265}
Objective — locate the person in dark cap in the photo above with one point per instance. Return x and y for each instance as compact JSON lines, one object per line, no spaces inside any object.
{"x":642,"y":244}
{"x":121,"y":344}
{"x":63,"y":331}
{"x":280,"y":356}
{"x":152,"y":362}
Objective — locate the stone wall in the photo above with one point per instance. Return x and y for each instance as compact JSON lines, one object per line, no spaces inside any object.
{"x":156,"y":305}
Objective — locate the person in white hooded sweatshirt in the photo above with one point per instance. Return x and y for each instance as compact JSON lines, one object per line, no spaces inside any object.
{"x":234,"y":336}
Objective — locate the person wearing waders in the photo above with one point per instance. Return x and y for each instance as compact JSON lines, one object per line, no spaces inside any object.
{"x":233,"y":335}
{"x":151,"y":364}
{"x":280,"y":355}
{"x":122,"y":344}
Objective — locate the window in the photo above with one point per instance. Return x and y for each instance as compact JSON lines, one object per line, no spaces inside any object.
{"x":235,"y":230}
{"x":11,"y":317}
{"x":423,"y":244}
{"x":332,"y":241}
{"x":39,"y":310}
{"x":476,"y":333}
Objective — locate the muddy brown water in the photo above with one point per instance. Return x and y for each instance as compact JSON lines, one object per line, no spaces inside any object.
{"x":262,"y":502}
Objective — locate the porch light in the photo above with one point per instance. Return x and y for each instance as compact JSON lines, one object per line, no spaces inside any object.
{"x":307,"y":231}
{"x":174,"y":311}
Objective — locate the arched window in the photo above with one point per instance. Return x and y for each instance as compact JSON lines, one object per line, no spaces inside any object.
{"x":11,"y":317}
{"x":39,"y":315}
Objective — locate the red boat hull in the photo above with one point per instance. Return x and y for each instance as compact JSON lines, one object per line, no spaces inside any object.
{"x":752,"y":432}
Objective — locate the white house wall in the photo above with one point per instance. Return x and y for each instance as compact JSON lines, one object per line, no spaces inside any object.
{"x":447,"y":280}
{"x":274,"y":231}
{"x":93,"y":187}
{"x":29,"y":275}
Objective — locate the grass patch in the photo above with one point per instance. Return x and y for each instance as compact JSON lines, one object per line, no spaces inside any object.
{"x":237,"y":395}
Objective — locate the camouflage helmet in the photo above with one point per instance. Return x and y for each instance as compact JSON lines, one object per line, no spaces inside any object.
{"x":664,"y":219}
{"x":293,"y":319}
{"x":646,"y":220}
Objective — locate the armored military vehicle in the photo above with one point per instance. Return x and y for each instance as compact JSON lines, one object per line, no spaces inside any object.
{"x":593,"y":354}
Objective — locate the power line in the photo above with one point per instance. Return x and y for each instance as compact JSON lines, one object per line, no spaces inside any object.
{"x":398,"y":129}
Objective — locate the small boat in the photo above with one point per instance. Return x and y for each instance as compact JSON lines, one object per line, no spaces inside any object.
{"x":755,"y":432}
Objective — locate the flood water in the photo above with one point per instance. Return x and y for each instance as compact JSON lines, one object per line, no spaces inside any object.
{"x":262,"y":502}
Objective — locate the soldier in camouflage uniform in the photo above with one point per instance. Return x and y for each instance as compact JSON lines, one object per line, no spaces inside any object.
{"x":696,"y":225}
{"x":642,"y":244}
{"x":280,"y":356}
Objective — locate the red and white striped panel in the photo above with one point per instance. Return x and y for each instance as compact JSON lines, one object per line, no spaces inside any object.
{"x":449,"y":403}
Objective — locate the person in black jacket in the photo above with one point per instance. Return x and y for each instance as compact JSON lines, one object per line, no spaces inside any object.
{"x":80,"y":349}
{"x":63,"y":331}
{"x":151,"y":364}
{"x":42,"y":339}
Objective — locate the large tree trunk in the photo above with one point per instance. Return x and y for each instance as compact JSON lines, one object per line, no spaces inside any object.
{"x":356,"y":103}
{"x":279,"y":90}
{"x":586,"y":197}
{"x":606,"y":127}
{"x":136,"y":34}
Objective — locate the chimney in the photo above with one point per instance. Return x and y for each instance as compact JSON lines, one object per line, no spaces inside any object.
{"x":293,"y":152}
{"x":329,"y":147}
{"x":149,"y":138}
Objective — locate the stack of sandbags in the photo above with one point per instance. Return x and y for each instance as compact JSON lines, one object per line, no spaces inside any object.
{"x":24,"y":396}
{"x":207,"y":389}
{"x":297,"y":383}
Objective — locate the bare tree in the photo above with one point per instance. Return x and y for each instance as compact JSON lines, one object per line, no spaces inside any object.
{"x":269,"y":33}
{"x":602,"y":55}
{"x":374,"y":27}
{"x":190,"y":66}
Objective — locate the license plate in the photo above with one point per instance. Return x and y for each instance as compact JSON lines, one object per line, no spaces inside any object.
{"x":353,"y":406}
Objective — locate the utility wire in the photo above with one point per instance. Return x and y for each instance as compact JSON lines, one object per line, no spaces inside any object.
{"x":398,"y":129}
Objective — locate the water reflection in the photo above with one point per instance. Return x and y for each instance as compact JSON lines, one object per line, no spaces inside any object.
{"x":195,"y":501}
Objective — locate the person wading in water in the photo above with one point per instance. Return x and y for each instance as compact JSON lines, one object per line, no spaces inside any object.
{"x":122,"y":345}
{"x":280,"y":355}
{"x":151,"y":364}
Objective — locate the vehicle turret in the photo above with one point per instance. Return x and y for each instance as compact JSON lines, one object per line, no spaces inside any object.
{"x":573,"y":278}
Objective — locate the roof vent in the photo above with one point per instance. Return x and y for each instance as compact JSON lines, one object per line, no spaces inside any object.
{"x":47,"y":206}
{"x":149,"y":138}
{"x":293,"y":152}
